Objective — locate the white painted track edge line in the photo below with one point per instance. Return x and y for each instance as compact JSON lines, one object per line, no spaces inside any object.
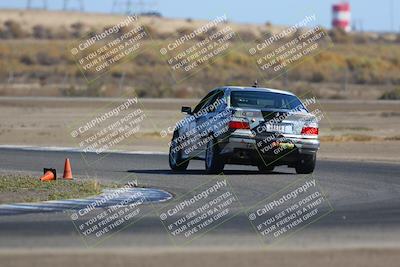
{"x":73,"y":149}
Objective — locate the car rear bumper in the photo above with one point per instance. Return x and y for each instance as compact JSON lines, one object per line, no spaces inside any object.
{"x":244,"y":150}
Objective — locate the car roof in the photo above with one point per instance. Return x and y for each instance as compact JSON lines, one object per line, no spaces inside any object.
{"x":254,"y":89}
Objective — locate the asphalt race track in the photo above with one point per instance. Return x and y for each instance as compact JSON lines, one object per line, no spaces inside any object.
{"x":364,"y":196}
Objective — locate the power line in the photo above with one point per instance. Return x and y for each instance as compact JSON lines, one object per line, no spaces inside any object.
{"x":124,"y":5}
{"x":29,"y":4}
{"x":129,"y":6}
{"x":79,"y":2}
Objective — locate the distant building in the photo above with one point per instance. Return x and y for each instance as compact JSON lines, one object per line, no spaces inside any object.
{"x":341,"y":14}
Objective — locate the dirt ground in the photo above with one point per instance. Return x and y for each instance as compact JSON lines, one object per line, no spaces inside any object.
{"x":354,"y":130}
{"x":202,"y":257}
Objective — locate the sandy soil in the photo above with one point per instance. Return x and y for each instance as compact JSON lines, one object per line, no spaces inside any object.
{"x":358,"y":130}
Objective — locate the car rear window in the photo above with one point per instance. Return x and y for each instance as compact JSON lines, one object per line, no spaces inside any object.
{"x":264,"y":100}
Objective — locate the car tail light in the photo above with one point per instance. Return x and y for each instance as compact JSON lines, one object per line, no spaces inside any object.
{"x":309,"y":131}
{"x":239,"y":125}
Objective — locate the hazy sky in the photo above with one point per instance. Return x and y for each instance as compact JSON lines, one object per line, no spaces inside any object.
{"x":372,"y":15}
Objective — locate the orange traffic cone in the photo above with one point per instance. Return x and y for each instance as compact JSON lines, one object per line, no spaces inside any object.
{"x":67,"y":170}
{"x":49,"y":175}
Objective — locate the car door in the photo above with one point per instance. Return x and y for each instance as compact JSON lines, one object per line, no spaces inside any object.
{"x":192,"y":138}
{"x":205,"y":122}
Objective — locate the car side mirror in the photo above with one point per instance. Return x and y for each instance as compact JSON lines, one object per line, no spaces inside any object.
{"x":187,"y":110}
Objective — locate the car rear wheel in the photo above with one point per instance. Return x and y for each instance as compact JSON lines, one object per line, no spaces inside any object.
{"x":306,"y":164}
{"x":213,"y":162}
{"x":262,"y":167}
{"x":176,"y":162}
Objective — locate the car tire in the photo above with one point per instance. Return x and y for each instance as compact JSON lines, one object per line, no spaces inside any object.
{"x":214,"y":163}
{"x":306,"y":164}
{"x":265,"y":168}
{"x":176,"y":162}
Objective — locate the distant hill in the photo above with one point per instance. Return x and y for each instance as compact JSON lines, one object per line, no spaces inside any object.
{"x":35,"y":59}
{"x":64,"y":19}
{"x":56,"y":19}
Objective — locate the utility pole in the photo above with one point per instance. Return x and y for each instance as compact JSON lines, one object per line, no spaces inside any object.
{"x":391,"y":15}
{"x":130,"y":6}
{"x":127,"y":5}
{"x":81,"y":6}
{"x":80,"y":2}
{"x":65,"y":5}
{"x":29,"y":4}
{"x":142,"y":5}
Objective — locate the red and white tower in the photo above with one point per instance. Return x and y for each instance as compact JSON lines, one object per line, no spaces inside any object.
{"x":341,"y":16}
